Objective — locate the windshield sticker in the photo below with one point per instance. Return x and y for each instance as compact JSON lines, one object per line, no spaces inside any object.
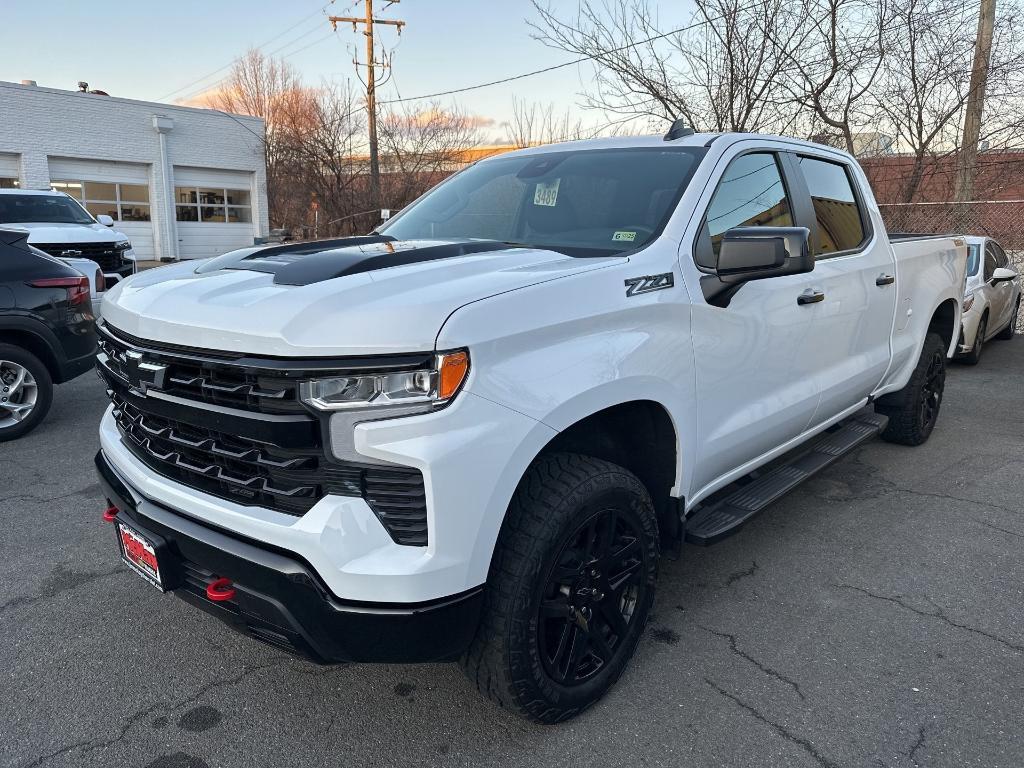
{"x":546,"y":193}
{"x":624,"y":236}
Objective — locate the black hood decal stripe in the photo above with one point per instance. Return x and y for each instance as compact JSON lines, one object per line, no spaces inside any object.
{"x":308,"y":263}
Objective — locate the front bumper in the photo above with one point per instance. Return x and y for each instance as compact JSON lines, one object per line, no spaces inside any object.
{"x":281,"y":601}
{"x":969,"y":327}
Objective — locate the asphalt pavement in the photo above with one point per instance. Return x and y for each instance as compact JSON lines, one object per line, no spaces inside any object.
{"x":874,"y":617}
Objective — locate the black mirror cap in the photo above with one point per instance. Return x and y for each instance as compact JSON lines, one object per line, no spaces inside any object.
{"x":756,"y":253}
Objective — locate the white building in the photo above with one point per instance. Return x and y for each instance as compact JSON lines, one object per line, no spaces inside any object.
{"x":182,"y":183}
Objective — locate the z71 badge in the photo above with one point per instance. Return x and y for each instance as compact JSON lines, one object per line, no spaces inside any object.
{"x":648,"y":283}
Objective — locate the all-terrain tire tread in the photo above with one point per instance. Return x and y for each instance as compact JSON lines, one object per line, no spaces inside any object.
{"x":531,"y":520}
{"x":901,"y":407}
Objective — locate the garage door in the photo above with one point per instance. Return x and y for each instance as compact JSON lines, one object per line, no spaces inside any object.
{"x":8,"y":169}
{"x":213,"y":208}
{"x":120,"y":190}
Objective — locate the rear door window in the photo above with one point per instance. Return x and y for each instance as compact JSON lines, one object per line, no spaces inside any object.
{"x":836,"y":209}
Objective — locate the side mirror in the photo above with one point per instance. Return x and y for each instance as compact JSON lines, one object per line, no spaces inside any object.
{"x":105,"y":220}
{"x":757,"y":253}
{"x":1002,"y":274}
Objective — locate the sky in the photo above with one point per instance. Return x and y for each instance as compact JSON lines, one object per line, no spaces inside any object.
{"x":169,"y":51}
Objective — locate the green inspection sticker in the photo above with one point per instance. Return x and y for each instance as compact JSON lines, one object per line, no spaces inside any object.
{"x":624,"y":236}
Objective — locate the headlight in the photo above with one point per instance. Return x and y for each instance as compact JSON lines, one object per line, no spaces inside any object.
{"x":427,"y":387}
{"x":968,"y":301}
{"x":124,"y":245}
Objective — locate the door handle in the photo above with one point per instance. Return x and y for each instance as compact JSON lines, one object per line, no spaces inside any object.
{"x":884,"y":279}
{"x":810,"y":297}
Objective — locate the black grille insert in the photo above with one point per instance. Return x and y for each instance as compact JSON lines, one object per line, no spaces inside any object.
{"x":248,"y":466}
{"x":109,"y":258}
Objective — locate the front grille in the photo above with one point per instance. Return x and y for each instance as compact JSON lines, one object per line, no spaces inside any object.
{"x":244,"y":471}
{"x":276,"y":461}
{"x":104,"y":254}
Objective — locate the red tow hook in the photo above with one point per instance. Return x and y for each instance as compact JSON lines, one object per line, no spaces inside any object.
{"x":220,"y":590}
{"x":110,"y":513}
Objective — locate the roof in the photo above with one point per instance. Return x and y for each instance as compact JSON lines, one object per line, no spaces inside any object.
{"x":20,"y":191}
{"x":156,"y":105}
{"x":658,"y":140}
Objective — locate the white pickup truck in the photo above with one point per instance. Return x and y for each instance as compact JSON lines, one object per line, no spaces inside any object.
{"x":470,"y":435}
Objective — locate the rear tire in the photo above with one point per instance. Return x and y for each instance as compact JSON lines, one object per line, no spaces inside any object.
{"x":569,"y":591}
{"x":914,"y":410}
{"x":26,"y":392}
{"x":1011,"y":328}
{"x":974,"y":356}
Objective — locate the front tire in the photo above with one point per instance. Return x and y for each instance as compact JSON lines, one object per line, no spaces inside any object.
{"x":570,"y":588}
{"x":26,"y":391}
{"x":914,"y":410}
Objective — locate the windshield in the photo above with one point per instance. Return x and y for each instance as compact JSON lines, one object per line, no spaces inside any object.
{"x":973,"y":259}
{"x":585,"y":203}
{"x":45,"y":209}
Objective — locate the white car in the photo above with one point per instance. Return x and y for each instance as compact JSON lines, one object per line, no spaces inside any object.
{"x":991,"y":298}
{"x":468,"y":435}
{"x":58,"y":225}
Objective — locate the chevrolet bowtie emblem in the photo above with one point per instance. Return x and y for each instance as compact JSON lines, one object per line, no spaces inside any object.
{"x":143,"y":375}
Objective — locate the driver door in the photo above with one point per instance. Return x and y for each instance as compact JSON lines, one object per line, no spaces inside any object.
{"x":756,"y":386}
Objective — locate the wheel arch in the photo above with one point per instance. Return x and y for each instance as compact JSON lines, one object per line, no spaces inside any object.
{"x":637,"y":434}
{"x":945,"y":321}
{"x":34,"y":343}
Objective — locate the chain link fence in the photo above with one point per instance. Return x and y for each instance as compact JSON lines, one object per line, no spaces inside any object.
{"x":1002,"y":220}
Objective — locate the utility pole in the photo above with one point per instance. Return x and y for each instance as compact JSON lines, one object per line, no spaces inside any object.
{"x":371,"y":90}
{"x":968,"y":158}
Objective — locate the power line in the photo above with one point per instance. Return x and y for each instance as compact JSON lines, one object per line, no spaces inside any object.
{"x":565,"y":64}
{"x":278,"y":36}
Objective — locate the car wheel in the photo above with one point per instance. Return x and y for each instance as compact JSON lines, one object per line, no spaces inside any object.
{"x":26,"y":391}
{"x":974,"y":356}
{"x":1011,"y":328}
{"x":570,"y":588}
{"x":914,"y":410}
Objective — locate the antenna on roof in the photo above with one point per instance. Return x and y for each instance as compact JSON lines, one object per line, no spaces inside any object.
{"x":678,"y":130}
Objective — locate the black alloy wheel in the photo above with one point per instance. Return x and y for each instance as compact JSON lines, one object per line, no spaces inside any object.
{"x":590,"y":597}
{"x":931,"y":391}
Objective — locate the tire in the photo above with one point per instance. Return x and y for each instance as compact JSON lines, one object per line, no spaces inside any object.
{"x":548,"y":645}
{"x":974,"y":356}
{"x":914,"y":410}
{"x":26,"y":392}
{"x":1011,"y":327}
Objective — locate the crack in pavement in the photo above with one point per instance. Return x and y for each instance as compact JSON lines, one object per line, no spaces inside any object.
{"x":806,"y":745}
{"x":764,"y":668}
{"x":740,"y":575}
{"x":939,"y":614}
{"x":59,"y":581}
{"x":87,"y":490}
{"x":922,"y":737}
{"x":92,"y":744}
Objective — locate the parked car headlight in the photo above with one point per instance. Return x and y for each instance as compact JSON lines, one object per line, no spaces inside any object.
{"x":968,"y":301}
{"x":427,"y":388}
{"x":123,"y":245}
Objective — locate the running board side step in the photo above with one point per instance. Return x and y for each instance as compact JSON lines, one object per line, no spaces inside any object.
{"x":714,"y":522}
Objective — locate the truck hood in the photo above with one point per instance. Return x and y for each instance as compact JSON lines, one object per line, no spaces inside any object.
{"x":69,"y":233}
{"x":381,"y":310}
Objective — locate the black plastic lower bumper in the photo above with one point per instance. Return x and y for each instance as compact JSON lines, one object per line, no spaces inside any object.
{"x":280,"y":600}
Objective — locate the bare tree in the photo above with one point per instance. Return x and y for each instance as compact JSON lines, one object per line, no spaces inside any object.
{"x":834,"y":61}
{"x":534,"y":124}
{"x":719,"y":74}
{"x":420,"y":147}
{"x":262,"y":87}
